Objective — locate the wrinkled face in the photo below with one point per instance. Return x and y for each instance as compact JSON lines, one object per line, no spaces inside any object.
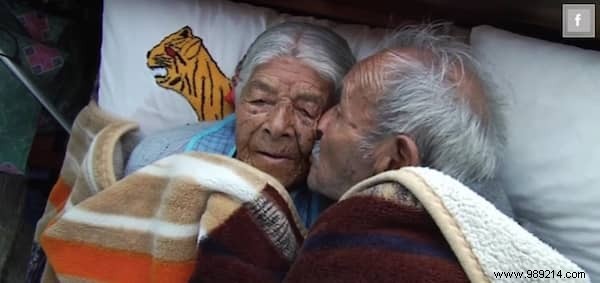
{"x":277,"y":118}
{"x":340,"y":163}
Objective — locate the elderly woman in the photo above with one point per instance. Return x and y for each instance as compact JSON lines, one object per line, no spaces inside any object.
{"x":291,"y":75}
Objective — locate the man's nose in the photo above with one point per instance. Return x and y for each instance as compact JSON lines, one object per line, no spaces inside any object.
{"x":279,"y":123}
{"x":323,"y":123}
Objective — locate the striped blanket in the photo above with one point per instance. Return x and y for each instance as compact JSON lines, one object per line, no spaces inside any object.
{"x":146,"y":227}
{"x":381,"y":234}
{"x":209,"y":218}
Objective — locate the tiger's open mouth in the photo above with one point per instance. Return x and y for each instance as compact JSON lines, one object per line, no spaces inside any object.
{"x":159,"y":72}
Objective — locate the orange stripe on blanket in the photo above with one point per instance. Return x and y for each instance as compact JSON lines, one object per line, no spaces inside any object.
{"x":59,"y":194}
{"x":94,"y":263}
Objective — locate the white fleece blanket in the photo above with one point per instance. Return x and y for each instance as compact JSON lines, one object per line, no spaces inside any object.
{"x":490,"y":246}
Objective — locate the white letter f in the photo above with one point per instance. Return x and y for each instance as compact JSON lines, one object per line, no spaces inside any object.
{"x":577,"y":19}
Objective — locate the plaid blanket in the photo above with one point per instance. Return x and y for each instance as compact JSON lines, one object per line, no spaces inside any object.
{"x":91,"y":164}
{"x":146,"y":227}
{"x":210,"y":218}
{"x":382,"y":234}
{"x":407,"y":225}
{"x":420,"y":225}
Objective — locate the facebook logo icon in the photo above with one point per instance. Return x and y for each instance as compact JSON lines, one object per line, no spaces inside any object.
{"x":579,"y":20}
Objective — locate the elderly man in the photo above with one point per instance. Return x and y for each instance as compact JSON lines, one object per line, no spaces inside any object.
{"x":422,"y":101}
{"x":290,"y":76}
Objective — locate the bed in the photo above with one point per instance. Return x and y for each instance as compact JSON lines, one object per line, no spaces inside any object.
{"x":551,"y":85}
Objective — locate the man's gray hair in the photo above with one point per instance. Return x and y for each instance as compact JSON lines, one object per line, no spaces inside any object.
{"x":422,"y":99}
{"x":318,"y":47}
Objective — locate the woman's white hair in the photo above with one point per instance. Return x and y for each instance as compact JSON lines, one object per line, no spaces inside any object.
{"x":318,"y":47}
{"x":422,"y":99}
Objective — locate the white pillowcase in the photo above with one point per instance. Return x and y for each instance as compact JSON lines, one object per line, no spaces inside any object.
{"x":552,"y":167}
{"x":132,"y":27}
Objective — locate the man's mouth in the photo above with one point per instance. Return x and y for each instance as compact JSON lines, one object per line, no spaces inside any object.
{"x":314,"y":156}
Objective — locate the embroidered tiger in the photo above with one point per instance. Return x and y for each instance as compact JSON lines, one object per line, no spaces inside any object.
{"x":180,"y":62}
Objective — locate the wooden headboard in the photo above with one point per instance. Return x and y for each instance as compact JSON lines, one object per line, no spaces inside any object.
{"x":535,"y":18}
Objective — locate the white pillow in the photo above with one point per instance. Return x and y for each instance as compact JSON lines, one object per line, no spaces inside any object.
{"x":551,"y":172}
{"x":132,"y":27}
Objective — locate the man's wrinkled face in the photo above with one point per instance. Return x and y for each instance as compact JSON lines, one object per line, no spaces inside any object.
{"x":341,"y":163}
{"x":277,"y":118}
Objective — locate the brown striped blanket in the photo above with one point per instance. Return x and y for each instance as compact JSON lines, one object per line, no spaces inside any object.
{"x":380,"y":235}
{"x":146,"y":227}
{"x":207,"y":218}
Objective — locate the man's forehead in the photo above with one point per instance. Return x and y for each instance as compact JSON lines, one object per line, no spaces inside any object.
{"x":363,"y":80}
{"x":361,"y":86}
{"x":369,"y":73}
{"x":367,"y":76}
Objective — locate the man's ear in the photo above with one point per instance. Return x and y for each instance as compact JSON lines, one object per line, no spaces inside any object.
{"x":396,"y":152}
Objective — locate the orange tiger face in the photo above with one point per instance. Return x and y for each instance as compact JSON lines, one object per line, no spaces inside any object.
{"x":181,"y":63}
{"x":172,"y":58}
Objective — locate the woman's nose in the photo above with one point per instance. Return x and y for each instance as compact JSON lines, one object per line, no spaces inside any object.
{"x":280,"y":122}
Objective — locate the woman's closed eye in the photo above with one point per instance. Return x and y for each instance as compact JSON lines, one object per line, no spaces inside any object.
{"x":308,"y":109}
{"x":306,"y":113}
{"x":261,"y":101}
{"x":258,"y":102}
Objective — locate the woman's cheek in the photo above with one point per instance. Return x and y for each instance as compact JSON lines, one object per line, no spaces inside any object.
{"x":306,"y":135}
